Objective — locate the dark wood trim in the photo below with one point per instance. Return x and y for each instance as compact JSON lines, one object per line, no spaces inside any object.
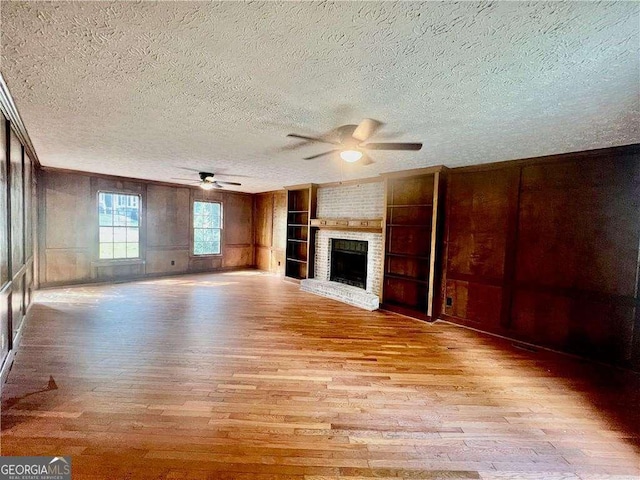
{"x":581,"y":294}
{"x":635,"y":333}
{"x":432,"y":294}
{"x":407,"y":312}
{"x":10,"y":111}
{"x":438,"y":253}
{"x":383,"y":263}
{"x":20,"y":272}
{"x":302,"y":186}
{"x":311,"y":240}
{"x":511,"y":253}
{"x":8,"y":188}
{"x":138,"y":278}
{"x":415,"y":172}
{"x":41,"y":215}
{"x":621,"y":150}
{"x":120,"y":178}
{"x":149,"y":248}
{"x":347,"y":183}
{"x":464,"y":277}
{"x":24,"y":211}
{"x":270,"y":192}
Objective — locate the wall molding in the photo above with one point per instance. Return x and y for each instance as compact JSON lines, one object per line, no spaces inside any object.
{"x":10,"y":111}
{"x":119,"y":178}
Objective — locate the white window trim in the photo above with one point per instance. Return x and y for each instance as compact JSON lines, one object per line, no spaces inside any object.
{"x":193,"y":230}
{"x":122,"y":261}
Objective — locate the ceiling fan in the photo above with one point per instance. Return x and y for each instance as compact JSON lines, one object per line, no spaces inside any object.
{"x":351,"y":142}
{"x":208,"y":182}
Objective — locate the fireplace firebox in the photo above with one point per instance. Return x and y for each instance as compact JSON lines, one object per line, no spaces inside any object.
{"x":349,"y":262}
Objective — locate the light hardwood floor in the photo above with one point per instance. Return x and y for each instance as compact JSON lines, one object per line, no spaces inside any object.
{"x":241,"y":375}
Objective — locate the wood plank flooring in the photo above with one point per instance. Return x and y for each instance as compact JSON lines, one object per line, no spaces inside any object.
{"x":242,"y":376}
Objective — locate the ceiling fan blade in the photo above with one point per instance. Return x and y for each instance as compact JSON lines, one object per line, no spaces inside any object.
{"x":392,"y":146}
{"x":311,"y":139}
{"x":320,"y":155}
{"x":366,"y":160}
{"x":190,"y":180}
{"x":220,"y":182}
{"x":365,"y":129}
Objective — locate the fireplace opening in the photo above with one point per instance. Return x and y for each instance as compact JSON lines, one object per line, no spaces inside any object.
{"x":349,"y":262}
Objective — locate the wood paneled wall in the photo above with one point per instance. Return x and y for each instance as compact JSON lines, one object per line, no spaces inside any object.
{"x":270,"y":219}
{"x":68,"y":250}
{"x":546,"y":251}
{"x":17,"y":192}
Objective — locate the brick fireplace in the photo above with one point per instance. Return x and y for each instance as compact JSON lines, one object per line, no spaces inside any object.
{"x":364,"y":201}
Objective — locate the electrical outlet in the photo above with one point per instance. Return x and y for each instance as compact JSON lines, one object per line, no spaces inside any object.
{"x":278,"y":262}
{"x":449,"y":301}
{"x":173,"y":262}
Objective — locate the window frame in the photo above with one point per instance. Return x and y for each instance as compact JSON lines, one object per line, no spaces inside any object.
{"x":121,"y":260}
{"x":193,"y":229}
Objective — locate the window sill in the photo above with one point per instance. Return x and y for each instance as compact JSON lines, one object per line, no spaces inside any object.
{"x":117,"y":261}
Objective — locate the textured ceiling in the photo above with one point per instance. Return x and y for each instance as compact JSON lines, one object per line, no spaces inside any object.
{"x":149,"y":89}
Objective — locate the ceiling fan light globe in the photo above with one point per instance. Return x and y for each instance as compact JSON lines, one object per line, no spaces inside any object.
{"x":351,"y":155}
{"x":207,"y":186}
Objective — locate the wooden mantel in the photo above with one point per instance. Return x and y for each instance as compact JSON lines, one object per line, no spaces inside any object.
{"x":357,"y":224}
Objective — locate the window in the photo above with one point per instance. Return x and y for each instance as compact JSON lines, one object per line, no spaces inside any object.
{"x":119,"y":221}
{"x":207,"y":227}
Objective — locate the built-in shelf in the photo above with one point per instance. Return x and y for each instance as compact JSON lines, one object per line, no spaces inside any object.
{"x":407,"y":278}
{"x":296,"y":260}
{"x":301,"y":205}
{"x":410,"y":242}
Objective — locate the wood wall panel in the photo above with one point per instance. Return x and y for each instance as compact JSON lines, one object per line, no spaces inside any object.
{"x":17,"y":304}
{"x":64,"y":193}
{"x":598,"y":329}
{"x":4,"y":218}
{"x":167,"y":224}
{"x":159,"y":260}
{"x":479,"y":209}
{"x":238,"y":256}
{"x":16,"y":187}
{"x":279,"y":229}
{"x":263,"y":220}
{"x":270,"y":227}
{"x":238,"y":221}
{"x":205,"y":264}
{"x":278,"y":261}
{"x":546,"y":251}
{"x":66,"y":266}
{"x":17,"y":210}
{"x":69,"y":252}
{"x":115,"y":271}
{"x":479,"y":303}
{"x":28,"y":208}
{"x":263,"y":258}
{"x":579,"y":225}
{"x":5,"y":336}
{"x":279,"y":234}
{"x":28,"y":285}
